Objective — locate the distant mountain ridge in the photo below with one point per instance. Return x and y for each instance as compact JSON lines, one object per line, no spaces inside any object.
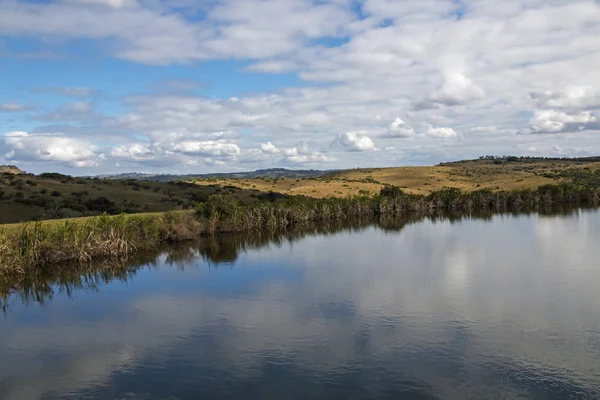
{"x":260,"y":173}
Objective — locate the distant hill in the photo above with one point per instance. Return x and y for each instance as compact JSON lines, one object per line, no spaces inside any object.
{"x":261,"y":173}
{"x":10,"y":169}
{"x":483,"y":160}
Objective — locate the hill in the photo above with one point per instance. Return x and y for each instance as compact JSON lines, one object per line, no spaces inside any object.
{"x":10,"y":169}
{"x":269,"y":173}
{"x":494,"y":173}
{"x":26,"y":197}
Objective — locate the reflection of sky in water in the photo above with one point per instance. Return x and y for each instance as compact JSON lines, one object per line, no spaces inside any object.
{"x":475,"y":309}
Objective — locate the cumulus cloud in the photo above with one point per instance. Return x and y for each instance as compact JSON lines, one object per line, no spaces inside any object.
{"x":355,"y":141}
{"x":399,"y":129}
{"x":26,"y":147}
{"x":443,"y":133}
{"x":208,"y":148}
{"x":134,"y":152}
{"x":582,"y":97}
{"x":457,"y":89}
{"x":269,"y":148}
{"x":551,"y":121}
{"x":302,"y":155}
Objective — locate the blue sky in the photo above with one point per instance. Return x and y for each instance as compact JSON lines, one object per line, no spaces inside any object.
{"x":96,"y":86}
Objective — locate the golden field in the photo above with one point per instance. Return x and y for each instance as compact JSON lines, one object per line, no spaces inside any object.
{"x":464,"y":175}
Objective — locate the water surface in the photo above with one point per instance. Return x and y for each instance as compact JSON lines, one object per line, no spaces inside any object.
{"x":502,"y":308}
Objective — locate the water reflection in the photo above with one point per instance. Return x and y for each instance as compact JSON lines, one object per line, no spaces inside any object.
{"x":501,"y":307}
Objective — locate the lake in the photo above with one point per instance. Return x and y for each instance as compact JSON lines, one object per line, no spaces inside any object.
{"x":506,"y":307}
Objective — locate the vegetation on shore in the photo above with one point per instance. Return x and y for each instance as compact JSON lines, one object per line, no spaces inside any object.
{"x":28,"y":197}
{"x":38,"y":245}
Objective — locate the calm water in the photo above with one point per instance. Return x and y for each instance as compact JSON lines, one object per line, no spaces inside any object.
{"x":505,"y":308}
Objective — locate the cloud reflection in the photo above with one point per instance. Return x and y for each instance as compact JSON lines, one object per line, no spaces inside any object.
{"x":503,"y":307}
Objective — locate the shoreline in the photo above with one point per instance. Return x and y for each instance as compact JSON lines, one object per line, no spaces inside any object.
{"x":32,"y":246}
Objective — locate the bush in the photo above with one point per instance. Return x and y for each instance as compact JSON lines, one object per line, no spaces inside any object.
{"x":102,"y":204}
{"x":218,"y":206}
{"x":55,"y":193}
{"x":391,"y":191}
{"x":56,"y":175}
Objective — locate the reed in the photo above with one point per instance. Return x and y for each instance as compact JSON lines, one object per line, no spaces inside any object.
{"x":36,"y":245}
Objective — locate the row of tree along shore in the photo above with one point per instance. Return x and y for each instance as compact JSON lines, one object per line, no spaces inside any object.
{"x":32,"y":246}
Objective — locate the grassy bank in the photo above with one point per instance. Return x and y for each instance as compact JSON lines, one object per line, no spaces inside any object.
{"x":31,"y":246}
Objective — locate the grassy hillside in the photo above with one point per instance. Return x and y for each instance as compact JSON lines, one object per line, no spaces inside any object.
{"x":495,"y":174}
{"x":25,"y":197}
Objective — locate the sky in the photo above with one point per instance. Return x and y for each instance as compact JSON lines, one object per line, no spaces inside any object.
{"x":194,"y":86}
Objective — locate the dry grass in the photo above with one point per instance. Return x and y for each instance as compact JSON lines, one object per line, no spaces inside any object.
{"x":312,"y":187}
{"x":467,"y":176}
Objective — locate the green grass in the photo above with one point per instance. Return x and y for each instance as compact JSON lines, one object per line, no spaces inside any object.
{"x":26,"y":197}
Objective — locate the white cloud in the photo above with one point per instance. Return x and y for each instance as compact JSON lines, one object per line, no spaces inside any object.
{"x":399,"y":129}
{"x":355,"y":141}
{"x":208,"y":148}
{"x":22,"y":146}
{"x":269,"y":148}
{"x":457,"y":89}
{"x":581,"y":97}
{"x":551,"y":121}
{"x":442,"y":132}
{"x":302,"y":155}
{"x":134,"y":152}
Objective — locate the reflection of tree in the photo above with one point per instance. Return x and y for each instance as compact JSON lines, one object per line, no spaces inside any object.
{"x":216,"y":250}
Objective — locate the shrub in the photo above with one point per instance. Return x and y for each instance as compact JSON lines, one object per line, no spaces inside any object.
{"x":55,"y":193}
{"x":102,"y":204}
{"x":391,"y":191}
{"x":56,"y":176}
{"x":218,"y":206}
